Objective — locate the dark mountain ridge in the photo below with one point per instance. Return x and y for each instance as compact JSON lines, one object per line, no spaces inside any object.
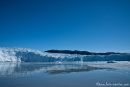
{"x":80,"y":52}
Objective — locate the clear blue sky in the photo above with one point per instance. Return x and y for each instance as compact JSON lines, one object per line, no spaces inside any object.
{"x":91,"y":25}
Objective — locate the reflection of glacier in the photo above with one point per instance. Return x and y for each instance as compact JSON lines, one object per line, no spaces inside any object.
{"x":22,"y":69}
{"x":28,"y":55}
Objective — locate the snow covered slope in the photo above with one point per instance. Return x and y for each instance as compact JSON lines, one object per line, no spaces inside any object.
{"x":29,"y":55}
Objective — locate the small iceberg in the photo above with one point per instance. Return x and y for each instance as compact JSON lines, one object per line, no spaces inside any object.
{"x":111,"y":61}
{"x":59,"y":62}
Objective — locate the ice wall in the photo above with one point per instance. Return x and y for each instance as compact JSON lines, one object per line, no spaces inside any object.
{"x":29,"y":55}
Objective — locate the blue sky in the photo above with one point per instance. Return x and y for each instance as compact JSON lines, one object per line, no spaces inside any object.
{"x":91,"y":25}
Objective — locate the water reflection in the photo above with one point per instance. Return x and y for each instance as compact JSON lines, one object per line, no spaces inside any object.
{"x":22,"y":69}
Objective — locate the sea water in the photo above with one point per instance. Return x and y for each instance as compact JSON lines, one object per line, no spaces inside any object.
{"x":66,"y":74}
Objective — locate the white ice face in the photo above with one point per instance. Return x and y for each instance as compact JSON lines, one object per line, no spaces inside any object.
{"x":10,"y":54}
{"x":29,"y":55}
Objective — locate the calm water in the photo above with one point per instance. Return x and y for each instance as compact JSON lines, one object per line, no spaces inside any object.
{"x":88,"y":74}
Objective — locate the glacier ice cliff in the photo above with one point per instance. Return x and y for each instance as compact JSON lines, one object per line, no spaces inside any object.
{"x":29,"y":55}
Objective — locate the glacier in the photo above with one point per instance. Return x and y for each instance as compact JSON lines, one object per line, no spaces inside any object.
{"x":15,"y":54}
